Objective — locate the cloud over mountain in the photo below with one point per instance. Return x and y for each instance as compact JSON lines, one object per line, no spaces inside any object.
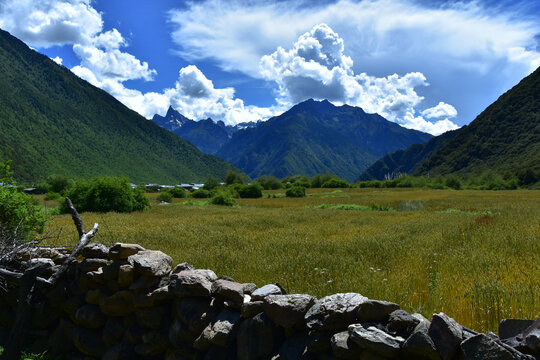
{"x":316,"y":67}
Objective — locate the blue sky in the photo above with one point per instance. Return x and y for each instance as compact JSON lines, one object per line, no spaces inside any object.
{"x":431,"y":65}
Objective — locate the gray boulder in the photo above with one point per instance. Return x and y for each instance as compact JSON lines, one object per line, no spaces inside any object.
{"x":151,"y":262}
{"x":446,"y":334}
{"x":532,"y":340}
{"x":334,"y":312}
{"x":480,"y":347}
{"x":218,"y":331}
{"x":88,"y":341}
{"x":121,"y":251}
{"x":154,"y":297}
{"x":288,"y":310}
{"x":196,"y":313}
{"x":251,"y":308}
{"x":375,"y":311}
{"x":419,"y":346}
{"x":402,"y":323}
{"x":376,"y":340}
{"x":256,"y":337}
{"x":264,"y":291}
{"x":343,"y":347}
{"x":126,"y":275}
{"x":249,"y":288}
{"x":190,"y":283}
{"x":228,"y":290}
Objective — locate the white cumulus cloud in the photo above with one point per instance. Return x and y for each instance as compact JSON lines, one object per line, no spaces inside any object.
{"x":441,"y":110}
{"x":46,"y":23}
{"x":316,"y":67}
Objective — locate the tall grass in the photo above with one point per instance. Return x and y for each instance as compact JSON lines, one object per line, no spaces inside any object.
{"x":472,"y":254}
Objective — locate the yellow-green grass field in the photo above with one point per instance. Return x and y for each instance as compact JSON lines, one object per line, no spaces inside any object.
{"x":474,"y":255}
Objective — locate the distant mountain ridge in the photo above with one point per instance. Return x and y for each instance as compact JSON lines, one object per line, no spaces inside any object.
{"x":207,"y":135}
{"x":503,"y":139}
{"x":53,"y":122}
{"x":317,"y":137}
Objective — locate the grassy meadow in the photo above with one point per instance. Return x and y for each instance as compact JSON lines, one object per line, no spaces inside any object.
{"x":474,"y":255}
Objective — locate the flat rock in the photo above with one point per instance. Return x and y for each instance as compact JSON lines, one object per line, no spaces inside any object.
{"x":189,"y":283}
{"x":118,"y":304}
{"x":446,"y":334}
{"x":375,"y":311}
{"x":121,"y":251}
{"x":88,"y":265}
{"x":154,"y":297}
{"x":126,"y":275}
{"x":419,"y":346}
{"x":334,"y":312}
{"x":375,"y":340}
{"x":480,"y":347}
{"x":288,"y":310}
{"x":96,"y":251}
{"x":532,"y":340}
{"x":249,"y":288}
{"x":343,"y":347}
{"x":151,"y":262}
{"x":182,"y":267}
{"x":264,"y":291}
{"x":228,"y":290}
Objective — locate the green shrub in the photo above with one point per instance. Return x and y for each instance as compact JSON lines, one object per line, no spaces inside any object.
{"x":253,"y":191}
{"x":201,"y":194}
{"x":270,"y":182}
{"x":53,"y":196}
{"x":233,"y":178}
{"x":165,"y":196}
{"x":296,"y":191}
{"x":20,"y":215}
{"x":335,"y":183}
{"x":300,"y":180}
{"x":103,"y":194}
{"x":152,"y":188}
{"x":178,"y":192}
{"x":223,"y":198}
{"x":453,"y":182}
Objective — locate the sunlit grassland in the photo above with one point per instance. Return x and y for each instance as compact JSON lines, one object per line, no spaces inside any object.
{"x":474,"y":255}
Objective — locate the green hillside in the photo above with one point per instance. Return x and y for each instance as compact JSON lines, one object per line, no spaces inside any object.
{"x":53,"y":122}
{"x":317,"y":137}
{"x":504,"y":138}
{"x":405,"y":161}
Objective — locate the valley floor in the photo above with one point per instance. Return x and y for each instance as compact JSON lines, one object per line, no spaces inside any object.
{"x":474,"y":255}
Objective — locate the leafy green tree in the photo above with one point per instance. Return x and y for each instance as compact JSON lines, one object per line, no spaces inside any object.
{"x":301,"y":180}
{"x":233,"y":177}
{"x":58,"y":183}
{"x":320,"y":179}
{"x":211,"y":183}
{"x":269,"y":182}
{"x":252,"y":191}
{"x":20,"y":215}
{"x":103,"y":194}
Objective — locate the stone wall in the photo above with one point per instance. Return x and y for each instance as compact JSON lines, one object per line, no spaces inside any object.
{"x":125,"y":302}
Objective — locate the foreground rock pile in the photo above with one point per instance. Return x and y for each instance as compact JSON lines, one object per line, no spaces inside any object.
{"x":125,"y":302}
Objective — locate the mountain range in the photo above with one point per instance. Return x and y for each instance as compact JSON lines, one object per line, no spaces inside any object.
{"x":503,"y":139}
{"x":207,"y":135}
{"x":53,"y":122}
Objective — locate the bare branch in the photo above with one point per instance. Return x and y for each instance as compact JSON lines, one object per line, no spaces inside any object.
{"x":76,"y":218}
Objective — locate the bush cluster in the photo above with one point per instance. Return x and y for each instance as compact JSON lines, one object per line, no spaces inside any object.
{"x":103,"y":194}
{"x":253,"y":191}
{"x":296,"y":191}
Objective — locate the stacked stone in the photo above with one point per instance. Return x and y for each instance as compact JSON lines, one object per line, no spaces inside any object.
{"x":126,"y":302}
